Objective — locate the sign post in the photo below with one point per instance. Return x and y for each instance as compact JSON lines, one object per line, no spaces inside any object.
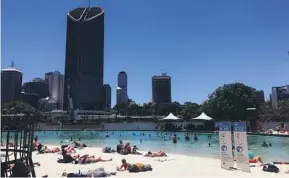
{"x":225,"y":138}
{"x":241,"y":146}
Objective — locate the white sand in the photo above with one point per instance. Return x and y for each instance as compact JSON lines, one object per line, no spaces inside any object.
{"x":176,"y":166}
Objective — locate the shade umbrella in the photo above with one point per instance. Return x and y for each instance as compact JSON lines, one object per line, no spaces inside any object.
{"x":170,"y":117}
{"x":203,"y":116}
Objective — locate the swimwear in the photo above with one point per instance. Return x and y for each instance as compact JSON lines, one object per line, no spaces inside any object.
{"x":253,"y":161}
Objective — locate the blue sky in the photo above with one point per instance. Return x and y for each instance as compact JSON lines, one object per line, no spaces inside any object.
{"x":200,"y":44}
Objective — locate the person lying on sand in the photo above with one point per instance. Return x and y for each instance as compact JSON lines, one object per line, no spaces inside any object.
{"x":137,"y":167}
{"x":67,"y":158}
{"x":99,"y":172}
{"x":91,"y":159}
{"x":43,"y":149}
{"x":159,"y":154}
{"x":68,"y":148}
{"x":21,"y":170}
{"x":79,"y":145}
{"x":10,"y":144}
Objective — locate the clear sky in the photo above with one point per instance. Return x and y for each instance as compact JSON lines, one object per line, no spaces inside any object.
{"x":200,"y":44}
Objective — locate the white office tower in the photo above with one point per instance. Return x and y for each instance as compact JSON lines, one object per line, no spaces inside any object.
{"x":55,"y":81}
{"x":122,"y":83}
{"x":278,"y":94}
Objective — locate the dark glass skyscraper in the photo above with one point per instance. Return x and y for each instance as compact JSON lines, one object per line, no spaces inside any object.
{"x":11,"y":82}
{"x":161,"y":89}
{"x":83,"y":85}
{"x":36,"y":86}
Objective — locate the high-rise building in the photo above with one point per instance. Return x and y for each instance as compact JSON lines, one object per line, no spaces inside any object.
{"x":119,"y":96}
{"x":107,"y":97}
{"x":122,"y":83}
{"x":83,"y":84}
{"x":55,"y":81}
{"x":261,"y":96}
{"x":36,"y":86}
{"x":11,"y":84}
{"x":30,"y":98}
{"x":278,"y":94}
{"x":161,"y":89}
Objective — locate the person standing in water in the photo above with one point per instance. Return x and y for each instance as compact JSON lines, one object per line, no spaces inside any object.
{"x":196,"y":137}
{"x":187,"y":138}
{"x":174,"y":138}
{"x":106,"y":134}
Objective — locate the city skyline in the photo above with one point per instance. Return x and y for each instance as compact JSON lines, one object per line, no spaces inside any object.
{"x":147,"y":50}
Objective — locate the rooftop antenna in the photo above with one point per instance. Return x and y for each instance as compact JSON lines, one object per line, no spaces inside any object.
{"x":88,"y":3}
{"x":12,"y":64}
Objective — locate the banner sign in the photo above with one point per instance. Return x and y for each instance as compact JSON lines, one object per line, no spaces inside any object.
{"x":241,"y":146}
{"x":225,"y":138}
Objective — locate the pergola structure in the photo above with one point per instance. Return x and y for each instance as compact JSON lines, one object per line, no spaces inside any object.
{"x":17,"y":133}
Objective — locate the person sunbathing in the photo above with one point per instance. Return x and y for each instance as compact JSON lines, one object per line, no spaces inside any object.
{"x":134,"y":150}
{"x":67,"y":158}
{"x":119,"y":147}
{"x":91,"y":159}
{"x":10,"y":144}
{"x":124,"y":166}
{"x":159,"y":154}
{"x":137,"y":167}
{"x":98,"y":172}
{"x":126,"y":149}
{"x":254,"y":159}
{"x":68,"y":148}
{"x":79,"y":145}
{"x":43,"y":149}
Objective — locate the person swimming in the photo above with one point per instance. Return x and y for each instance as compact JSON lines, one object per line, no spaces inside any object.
{"x":187,"y":138}
{"x":264,"y":144}
{"x":209,"y":145}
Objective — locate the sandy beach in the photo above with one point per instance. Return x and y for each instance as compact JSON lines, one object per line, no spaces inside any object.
{"x":170,"y":166}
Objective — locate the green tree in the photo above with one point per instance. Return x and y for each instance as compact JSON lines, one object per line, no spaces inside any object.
{"x":133,"y":109}
{"x":283,"y":107}
{"x":191,"y":110}
{"x":231,"y":101}
{"x":117,"y":107}
{"x":17,"y":107}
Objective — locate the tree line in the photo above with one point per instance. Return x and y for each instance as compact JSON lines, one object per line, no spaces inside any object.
{"x":228,"y":102}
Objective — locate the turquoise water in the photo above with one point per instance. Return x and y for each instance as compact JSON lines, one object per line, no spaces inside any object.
{"x":153,"y":141}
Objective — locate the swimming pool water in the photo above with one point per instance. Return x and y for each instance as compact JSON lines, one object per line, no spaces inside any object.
{"x":153,"y":141}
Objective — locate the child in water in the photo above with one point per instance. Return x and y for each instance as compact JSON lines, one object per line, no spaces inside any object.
{"x":174,"y":138}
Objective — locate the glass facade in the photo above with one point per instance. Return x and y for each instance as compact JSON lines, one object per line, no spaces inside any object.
{"x":161,"y":89}
{"x":84,"y":59}
{"x":11,"y":81}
